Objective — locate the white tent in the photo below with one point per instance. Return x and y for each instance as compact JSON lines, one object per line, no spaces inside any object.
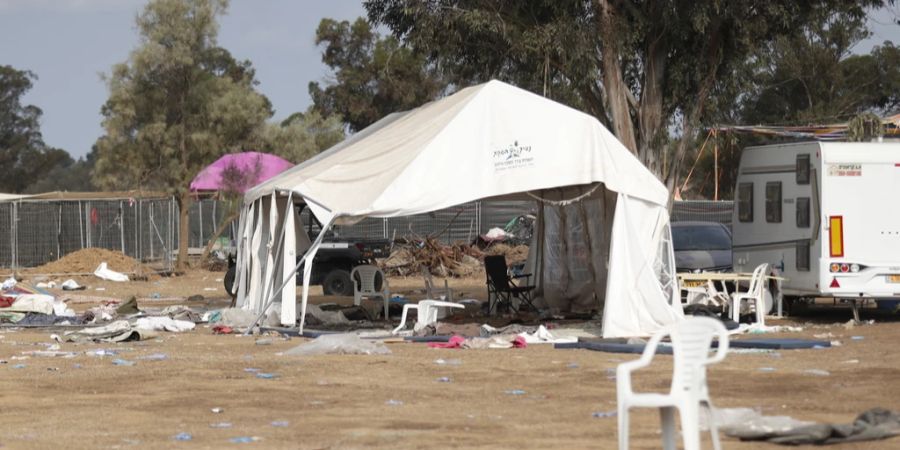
{"x":487,"y":141}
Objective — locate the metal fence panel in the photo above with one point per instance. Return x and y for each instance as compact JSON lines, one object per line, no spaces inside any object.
{"x":702,"y":210}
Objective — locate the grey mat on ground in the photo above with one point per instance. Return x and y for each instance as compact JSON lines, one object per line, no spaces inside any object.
{"x":611,"y":347}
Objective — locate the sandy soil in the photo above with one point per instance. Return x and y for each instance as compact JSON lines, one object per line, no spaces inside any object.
{"x":396,"y":401}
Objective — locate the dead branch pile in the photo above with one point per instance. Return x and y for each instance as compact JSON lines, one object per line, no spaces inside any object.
{"x":457,"y":260}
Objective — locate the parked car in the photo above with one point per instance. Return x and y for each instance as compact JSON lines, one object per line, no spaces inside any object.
{"x":336,"y":258}
{"x":701,"y":246}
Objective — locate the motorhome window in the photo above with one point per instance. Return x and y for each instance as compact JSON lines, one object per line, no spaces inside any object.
{"x":802,"y":257}
{"x":745,"y":202}
{"x":773,"y":202}
{"x":802,"y":212}
{"x":803,"y":168}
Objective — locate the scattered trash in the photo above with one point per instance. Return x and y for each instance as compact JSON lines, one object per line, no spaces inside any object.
{"x":443,"y":380}
{"x":604,"y":414}
{"x":101,"y":352}
{"x":857,"y":338}
{"x":263,"y":342}
{"x":19,"y":366}
{"x":155,"y":295}
{"x":766,"y":369}
{"x":340,"y":344}
{"x":182,"y":436}
{"x":610,"y":374}
{"x":220,"y":425}
{"x":76,"y":366}
{"x":50,"y":354}
{"x":217,"y":410}
{"x":222,"y":329}
{"x":393,"y":402}
{"x":105,"y":273}
{"x":53,"y":369}
{"x":573,"y":365}
{"x":817,"y":372}
{"x":851,"y":361}
{"x":122,"y":362}
{"x":71,"y":285}
{"x":448,"y":362}
{"x":154,"y":357}
{"x":280,"y":423}
{"x":266,"y":376}
{"x":251,"y":370}
{"x":244,"y":439}
{"x":100,"y":289}
{"x":515,"y":392}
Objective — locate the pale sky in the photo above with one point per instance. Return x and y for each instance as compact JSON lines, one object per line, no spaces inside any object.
{"x":69,"y":43}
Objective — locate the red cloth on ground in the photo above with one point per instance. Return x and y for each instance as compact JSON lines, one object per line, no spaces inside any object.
{"x":6,"y":302}
{"x":456,"y":341}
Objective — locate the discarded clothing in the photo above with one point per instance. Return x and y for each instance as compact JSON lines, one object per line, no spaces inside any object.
{"x":181,"y":312}
{"x":544,"y":336}
{"x":874,"y":424}
{"x":71,"y":285}
{"x":38,"y":319}
{"x":505,"y":341}
{"x":163,"y":324}
{"x":128,"y":307}
{"x":33,"y":303}
{"x":488,"y":331}
{"x":6,"y":302}
{"x":222,"y":329}
{"x":118,"y":331}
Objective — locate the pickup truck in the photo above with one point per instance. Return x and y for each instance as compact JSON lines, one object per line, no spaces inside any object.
{"x":336,"y":258}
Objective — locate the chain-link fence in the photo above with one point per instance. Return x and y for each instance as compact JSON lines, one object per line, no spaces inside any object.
{"x":34,"y":230}
{"x":39,"y":230}
{"x":703,"y":211}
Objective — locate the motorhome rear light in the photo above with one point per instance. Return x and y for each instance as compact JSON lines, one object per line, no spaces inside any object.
{"x":835,"y":267}
{"x":834,"y":283}
{"x":845,"y":267}
{"x":854,"y":268}
{"x":836,"y":235}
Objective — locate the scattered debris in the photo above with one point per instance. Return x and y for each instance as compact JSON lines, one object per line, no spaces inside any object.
{"x":339,"y":344}
{"x":183,"y":437}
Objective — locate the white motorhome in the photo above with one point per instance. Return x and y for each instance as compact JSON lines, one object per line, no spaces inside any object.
{"x":826,"y":214}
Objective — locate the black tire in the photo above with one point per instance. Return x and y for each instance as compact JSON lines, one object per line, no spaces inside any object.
{"x":229,"y":281}
{"x":337,"y":282}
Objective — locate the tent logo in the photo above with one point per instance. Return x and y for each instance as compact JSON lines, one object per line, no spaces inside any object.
{"x":512,"y":156}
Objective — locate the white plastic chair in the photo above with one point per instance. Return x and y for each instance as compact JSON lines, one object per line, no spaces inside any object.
{"x":427,"y":313}
{"x":755,"y":293}
{"x":691,"y":339}
{"x":365,"y":287}
{"x":433,"y":292}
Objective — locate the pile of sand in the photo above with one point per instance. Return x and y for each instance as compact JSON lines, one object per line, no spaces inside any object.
{"x":87,"y":260}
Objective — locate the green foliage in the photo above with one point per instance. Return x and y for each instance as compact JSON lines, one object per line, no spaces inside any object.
{"x":373,"y":75}
{"x":179,"y":102}
{"x":301,"y":135}
{"x":24,"y":157}
{"x":864,"y":127}
{"x":647,"y":69}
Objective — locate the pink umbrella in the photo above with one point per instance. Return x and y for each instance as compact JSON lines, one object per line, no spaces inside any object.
{"x":239,"y":172}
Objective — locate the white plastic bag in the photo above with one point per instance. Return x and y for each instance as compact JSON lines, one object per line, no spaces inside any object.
{"x":107,"y":274}
{"x":339,"y":344}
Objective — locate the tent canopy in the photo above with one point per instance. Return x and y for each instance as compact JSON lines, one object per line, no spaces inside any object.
{"x":253,"y":168}
{"x":487,"y":141}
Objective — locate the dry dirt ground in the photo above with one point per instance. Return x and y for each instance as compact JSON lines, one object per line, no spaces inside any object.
{"x":396,"y":401}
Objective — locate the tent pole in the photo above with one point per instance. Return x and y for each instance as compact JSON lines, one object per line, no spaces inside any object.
{"x":290,"y":279}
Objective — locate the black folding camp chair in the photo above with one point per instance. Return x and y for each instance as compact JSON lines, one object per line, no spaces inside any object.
{"x":502,"y":289}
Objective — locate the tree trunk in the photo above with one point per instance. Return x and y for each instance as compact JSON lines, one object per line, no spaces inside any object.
{"x":613,"y":81}
{"x":650,"y":114}
{"x":184,"y":226}
{"x":221,"y":229}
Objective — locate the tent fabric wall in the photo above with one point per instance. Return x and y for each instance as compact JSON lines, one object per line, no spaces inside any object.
{"x":569,"y":251}
{"x":487,"y":141}
{"x":641,"y":296}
